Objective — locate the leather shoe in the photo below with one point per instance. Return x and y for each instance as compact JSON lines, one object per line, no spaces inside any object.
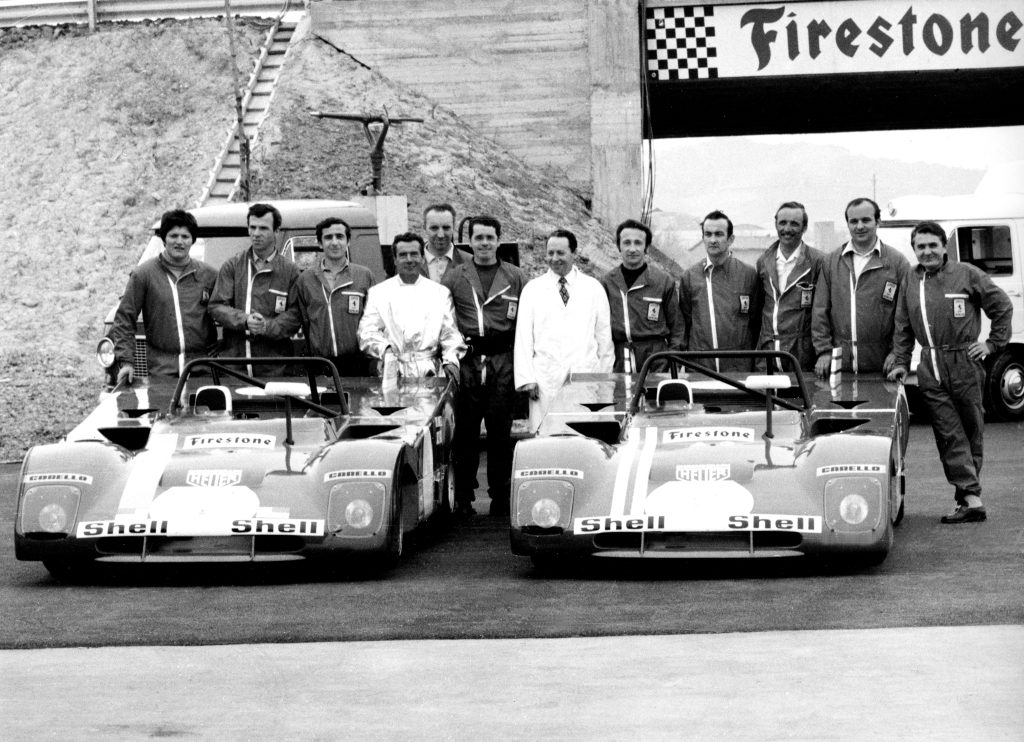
{"x":464,"y":510}
{"x":499,"y":507}
{"x":964,"y":514}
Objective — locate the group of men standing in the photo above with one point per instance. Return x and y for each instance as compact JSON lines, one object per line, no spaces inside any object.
{"x":493,"y":333}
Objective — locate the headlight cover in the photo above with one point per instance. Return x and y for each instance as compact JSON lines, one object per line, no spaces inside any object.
{"x":853,"y":504}
{"x":355,"y":508}
{"x":105,"y":353}
{"x":50,"y":509}
{"x":544,"y":504}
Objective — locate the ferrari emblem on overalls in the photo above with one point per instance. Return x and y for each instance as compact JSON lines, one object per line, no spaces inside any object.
{"x":889,"y":292}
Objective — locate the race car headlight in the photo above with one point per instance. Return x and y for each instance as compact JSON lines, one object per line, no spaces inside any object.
{"x":50,"y":509}
{"x":359,"y":513}
{"x":105,"y":353}
{"x":544,"y":503}
{"x":355,"y":508}
{"x":853,"y":503}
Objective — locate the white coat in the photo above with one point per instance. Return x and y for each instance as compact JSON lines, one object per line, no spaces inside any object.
{"x":554,"y":340}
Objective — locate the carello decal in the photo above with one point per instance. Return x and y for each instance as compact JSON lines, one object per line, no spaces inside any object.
{"x":900,"y":31}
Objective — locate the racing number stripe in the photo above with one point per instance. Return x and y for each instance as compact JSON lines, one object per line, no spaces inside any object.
{"x":643,"y":472}
{"x":627,"y":454}
{"x":140,"y":487}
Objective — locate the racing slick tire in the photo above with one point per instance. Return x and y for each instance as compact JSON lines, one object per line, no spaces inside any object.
{"x":1004,"y":386}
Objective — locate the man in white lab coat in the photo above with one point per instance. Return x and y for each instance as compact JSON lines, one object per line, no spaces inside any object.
{"x":564,"y":327}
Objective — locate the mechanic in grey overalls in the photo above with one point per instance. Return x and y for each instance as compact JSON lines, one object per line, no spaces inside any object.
{"x":940,"y":306}
{"x":856,"y":296}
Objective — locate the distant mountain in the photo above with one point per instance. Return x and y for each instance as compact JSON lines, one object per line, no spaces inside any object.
{"x":748,"y":179}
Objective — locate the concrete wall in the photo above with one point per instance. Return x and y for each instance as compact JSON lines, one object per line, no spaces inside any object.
{"x":554,"y":81}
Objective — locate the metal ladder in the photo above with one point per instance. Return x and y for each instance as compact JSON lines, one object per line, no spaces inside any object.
{"x":223,"y":182}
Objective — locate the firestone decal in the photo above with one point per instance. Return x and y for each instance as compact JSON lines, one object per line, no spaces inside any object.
{"x":678,"y":435}
{"x":238,"y":440}
{"x":851,"y":469}
{"x":334,"y":476}
{"x":543,"y":473}
{"x":57,"y":477}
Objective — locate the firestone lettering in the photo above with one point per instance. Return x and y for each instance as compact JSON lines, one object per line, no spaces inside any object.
{"x":709,"y":434}
{"x":937,"y":33}
{"x":229,"y":441}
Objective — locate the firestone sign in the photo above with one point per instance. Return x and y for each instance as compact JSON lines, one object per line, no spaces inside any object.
{"x":698,"y":42}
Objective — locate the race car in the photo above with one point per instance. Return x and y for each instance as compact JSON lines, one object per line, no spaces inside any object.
{"x":690,"y":462}
{"x":223,"y":466}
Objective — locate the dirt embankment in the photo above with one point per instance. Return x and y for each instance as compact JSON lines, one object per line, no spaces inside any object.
{"x":102,"y":132}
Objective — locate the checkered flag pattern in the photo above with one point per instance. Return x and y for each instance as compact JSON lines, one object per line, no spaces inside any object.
{"x":680,"y":43}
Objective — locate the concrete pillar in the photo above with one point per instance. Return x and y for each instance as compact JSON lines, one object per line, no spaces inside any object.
{"x":392,"y":214}
{"x":616,"y":116}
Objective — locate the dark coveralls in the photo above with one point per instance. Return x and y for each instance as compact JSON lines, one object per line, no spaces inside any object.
{"x":330,"y":317}
{"x":861,"y":326}
{"x":241,"y":290}
{"x":644,"y":316}
{"x":720,"y":308}
{"x":178,"y":328}
{"x":786,"y":317}
{"x":487,"y":385}
{"x":942,"y":311}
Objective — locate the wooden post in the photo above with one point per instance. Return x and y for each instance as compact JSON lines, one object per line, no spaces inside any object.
{"x":90,"y":9}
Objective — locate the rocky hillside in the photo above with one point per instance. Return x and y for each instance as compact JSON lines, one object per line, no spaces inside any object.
{"x":102,"y":132}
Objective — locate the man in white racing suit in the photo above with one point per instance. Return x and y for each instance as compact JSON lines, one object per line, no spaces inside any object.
{"x":409,"y":322}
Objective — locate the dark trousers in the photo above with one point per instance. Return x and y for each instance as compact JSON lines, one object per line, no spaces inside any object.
{"x":486,"y":397}
{"x":958,"y":422}
{"x":641,"y":349}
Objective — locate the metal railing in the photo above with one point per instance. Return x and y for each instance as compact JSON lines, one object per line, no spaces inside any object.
{"x":57,"y":12}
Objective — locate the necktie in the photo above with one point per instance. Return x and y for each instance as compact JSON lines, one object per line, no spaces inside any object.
{"x":563,"y":291}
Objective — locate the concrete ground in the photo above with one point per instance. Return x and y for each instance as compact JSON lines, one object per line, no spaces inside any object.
{"x":890,"y":684}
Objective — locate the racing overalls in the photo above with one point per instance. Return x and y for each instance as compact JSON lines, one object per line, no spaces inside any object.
{"x":720,"y":308}
{"x":330,"y":316}
{"x":644,"y":316}
{"x":177,"y":325}
{"x":857,"y":314}
{"x":243,"y":289}
{"x":942,"y":311}
{"x":786,"y":316}
{"x":487,"y":388}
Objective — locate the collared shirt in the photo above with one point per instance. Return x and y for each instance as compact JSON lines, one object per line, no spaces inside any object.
{"x":262,"y":263}
{"x":860,"y":261}
{"x":438,"y":264}
{"x":332,"y":276}
{"x":784,"y":266}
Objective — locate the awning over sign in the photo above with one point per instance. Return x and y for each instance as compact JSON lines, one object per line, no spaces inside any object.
{"x":693,"y":42}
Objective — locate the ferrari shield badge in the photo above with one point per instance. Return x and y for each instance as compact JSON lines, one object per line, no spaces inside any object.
{"x":889,"y":292}
{"x":959,"y":308}
{"x":354,"y":303}
{"x":744,"y":304}
{"x":653,"y":311}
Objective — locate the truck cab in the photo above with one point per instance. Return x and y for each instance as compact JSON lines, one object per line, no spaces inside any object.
{"x":985,"y":229}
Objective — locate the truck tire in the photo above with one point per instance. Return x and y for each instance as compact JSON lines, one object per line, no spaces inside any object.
{"x":1004,"y":386}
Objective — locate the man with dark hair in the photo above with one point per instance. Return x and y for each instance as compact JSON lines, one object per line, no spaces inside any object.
{"x":564,"y":327}
{"x":643,"y":301}
{"x":788,"y":271}
{"x":940,"y":306}
{"x":439,"y":224}
{"x":720,"y":298}
{"x":856,"y":297}
{"x":409,"y":320}
{"x":485,"y":292}
{"x":328,"y":301}
{"x":171,"y":291}
{"x":252,"y":290}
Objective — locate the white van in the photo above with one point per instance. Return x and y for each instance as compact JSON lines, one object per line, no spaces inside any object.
{"x":985,"y":229}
